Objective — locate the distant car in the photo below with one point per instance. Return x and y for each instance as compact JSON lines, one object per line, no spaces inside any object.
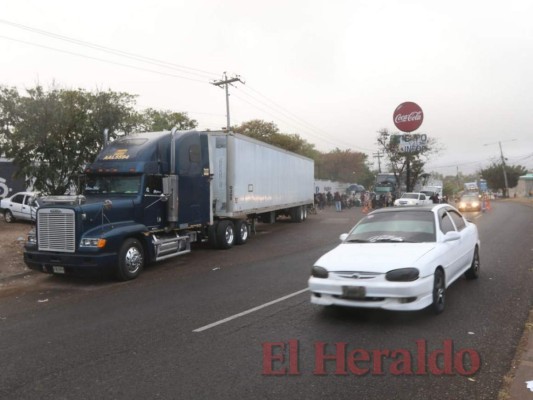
{"x":22,"y":205}
{"x":470,"y":202}
{"x":431,"y":195}
{"x":398,"y":258}
{"x":413,"y":199}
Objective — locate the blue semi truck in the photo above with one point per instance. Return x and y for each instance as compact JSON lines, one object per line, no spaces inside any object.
{"x":149,"y":196}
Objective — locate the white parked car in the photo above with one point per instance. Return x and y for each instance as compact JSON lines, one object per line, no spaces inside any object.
{"x":398,"y":258}
{"x":22,"y":205}
{"x":413,"y":199}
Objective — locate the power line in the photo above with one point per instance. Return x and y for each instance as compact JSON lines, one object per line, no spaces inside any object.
{"x":110,"y":50}
{"x":162,"y":64}
{"x":103,"y":60}
{"x":301,"y":121}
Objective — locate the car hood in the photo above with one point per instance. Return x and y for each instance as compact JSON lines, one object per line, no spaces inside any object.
{"x":375,"y":257}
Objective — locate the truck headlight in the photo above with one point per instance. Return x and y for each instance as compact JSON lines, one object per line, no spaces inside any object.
{"x":31,"y":238}
{"x":93,"y":242}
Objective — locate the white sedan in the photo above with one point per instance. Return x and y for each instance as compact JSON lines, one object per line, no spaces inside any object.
{"x":22,"y":205}
{"x":398,"y":259}
{"x":413,"y":199}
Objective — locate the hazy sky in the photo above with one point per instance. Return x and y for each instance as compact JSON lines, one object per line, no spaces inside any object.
{"x":331,"y":71}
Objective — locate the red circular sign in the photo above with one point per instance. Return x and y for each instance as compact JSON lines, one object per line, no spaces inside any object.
{"x":408,"y":116}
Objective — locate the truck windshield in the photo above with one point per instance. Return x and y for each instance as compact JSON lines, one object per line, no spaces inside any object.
{"x":113,"y":184}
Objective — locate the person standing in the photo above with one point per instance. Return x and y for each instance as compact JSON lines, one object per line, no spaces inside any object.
{"x":337,"y":199}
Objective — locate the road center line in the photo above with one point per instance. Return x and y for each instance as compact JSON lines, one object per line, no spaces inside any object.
{"x":251,"y":310}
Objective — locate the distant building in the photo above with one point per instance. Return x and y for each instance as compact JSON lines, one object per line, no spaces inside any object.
{"x":524,"y":187}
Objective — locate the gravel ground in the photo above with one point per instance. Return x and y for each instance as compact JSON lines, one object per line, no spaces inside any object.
{"x":12,"y":237}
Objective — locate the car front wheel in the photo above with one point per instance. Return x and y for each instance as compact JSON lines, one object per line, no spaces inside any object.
{"x":439,"y":292}
{"x":8,"y":217}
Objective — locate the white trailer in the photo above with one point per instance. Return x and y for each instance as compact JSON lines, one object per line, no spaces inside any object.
{"x":254,"y":178}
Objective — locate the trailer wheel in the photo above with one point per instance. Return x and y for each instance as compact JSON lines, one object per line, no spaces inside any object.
{"x":130,"y":260}
{"x":225,"y":234}
{"x":297,"y":214}
{"x":242,"y":229}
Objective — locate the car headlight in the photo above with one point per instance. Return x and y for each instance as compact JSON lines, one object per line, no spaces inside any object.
{"x":93,"y":242}
{"x":319,"y":272}
{"x":462,"y":205}
{"x":402,"y":275}
{"x":475,"y":204}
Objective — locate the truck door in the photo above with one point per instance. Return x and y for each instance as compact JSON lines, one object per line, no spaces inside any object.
{"x":154,"y":208}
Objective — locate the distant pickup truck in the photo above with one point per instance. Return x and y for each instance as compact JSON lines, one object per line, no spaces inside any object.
{"x":413,"y":199}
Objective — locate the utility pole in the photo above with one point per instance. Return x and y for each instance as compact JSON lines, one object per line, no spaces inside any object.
{"x":378,"y":155}
{"x":225,"y":82}
{"x":504,"y":171}
{"x":506,"y":194}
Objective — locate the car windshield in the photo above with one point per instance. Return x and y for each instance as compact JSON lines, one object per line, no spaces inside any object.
{"x":469,"y":198}
{"x":412,"y":227}
{"x":113,"y":184}
{"x":410,"y":196}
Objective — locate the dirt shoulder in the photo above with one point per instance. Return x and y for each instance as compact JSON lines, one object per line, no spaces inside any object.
{"x":12,"y":238}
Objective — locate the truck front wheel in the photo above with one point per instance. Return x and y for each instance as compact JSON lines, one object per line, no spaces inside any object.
{"x":130,"y":260}
{"x":225,"y":234}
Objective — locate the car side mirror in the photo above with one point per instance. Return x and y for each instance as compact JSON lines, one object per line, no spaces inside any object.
{"x":451,"y":236}
{"x":343,"y":237}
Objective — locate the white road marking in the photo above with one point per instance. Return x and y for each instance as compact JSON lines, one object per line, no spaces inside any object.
{"x":251,"y":310}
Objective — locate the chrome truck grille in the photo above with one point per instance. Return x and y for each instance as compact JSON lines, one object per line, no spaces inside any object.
{"x":56,"y":230}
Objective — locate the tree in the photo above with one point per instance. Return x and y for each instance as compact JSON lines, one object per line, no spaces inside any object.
{"x":51,"y":135}
{"x":154,"y":121}
{"x":407,"y":165}
{"x":269,"y":133}
{"x":257,"y":129}
{"x":344,"y":166}
{"x":495,"y":178}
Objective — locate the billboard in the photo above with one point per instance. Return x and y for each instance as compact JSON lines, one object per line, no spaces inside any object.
{"x":410,"y":143}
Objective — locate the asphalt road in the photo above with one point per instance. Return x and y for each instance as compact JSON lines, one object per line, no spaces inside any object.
{"x":238,"y":324}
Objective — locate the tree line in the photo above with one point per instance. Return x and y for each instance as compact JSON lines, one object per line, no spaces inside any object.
{"x":51,"y":135}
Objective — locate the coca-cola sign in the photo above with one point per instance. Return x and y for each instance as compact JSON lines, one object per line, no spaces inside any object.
{"x":408,"y":116}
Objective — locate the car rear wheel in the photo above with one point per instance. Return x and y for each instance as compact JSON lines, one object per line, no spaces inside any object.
{"x":473,"y":271}
{"x":8,"y":216}
{"x":439,"y":292}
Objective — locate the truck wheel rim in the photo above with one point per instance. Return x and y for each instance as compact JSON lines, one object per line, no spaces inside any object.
{"x":229,"y":235}
{"x":133,"y":260}
{"x":244,"y":232}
